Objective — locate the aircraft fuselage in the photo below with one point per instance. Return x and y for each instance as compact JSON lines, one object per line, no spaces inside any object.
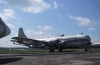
{"x":69,"y":41}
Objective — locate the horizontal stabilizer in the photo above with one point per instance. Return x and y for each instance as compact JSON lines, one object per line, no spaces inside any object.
{"x":25,"y":39}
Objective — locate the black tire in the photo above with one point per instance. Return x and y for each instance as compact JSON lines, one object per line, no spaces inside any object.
{"x":86,"y":50}
{"x":60,"y":50}
{"x":51,"y":50}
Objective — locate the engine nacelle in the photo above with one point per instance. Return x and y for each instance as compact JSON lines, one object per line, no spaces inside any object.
{"x":53,"y":42}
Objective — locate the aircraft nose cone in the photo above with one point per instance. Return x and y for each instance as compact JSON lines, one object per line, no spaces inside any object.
{"x":88,"y":37}
{"x":4,"y":29}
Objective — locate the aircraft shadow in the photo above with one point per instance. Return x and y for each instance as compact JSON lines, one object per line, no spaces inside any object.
{"x":9,"y":60}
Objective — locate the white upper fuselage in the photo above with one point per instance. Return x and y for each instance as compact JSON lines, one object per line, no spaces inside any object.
{"x":80,"y":36}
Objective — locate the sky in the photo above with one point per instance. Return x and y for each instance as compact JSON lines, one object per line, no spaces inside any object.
{"x":50,"y":18}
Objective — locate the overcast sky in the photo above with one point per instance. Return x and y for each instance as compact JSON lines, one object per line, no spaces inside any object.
{"x":49,"y":18}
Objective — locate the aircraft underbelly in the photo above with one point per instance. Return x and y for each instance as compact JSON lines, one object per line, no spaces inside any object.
{"x":77,"y":44}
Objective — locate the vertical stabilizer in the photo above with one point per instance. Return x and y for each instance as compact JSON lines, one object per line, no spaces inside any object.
{"x":21,"y":33}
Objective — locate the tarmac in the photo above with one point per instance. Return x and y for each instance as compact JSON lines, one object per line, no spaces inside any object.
{"x":63,"y":58}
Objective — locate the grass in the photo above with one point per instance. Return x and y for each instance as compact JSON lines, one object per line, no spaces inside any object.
{"x":43,"y":50}
{"x":22,"y":51}
{"x":36,"y":50}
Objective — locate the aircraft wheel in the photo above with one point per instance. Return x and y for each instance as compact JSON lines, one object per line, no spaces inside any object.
{"x":60,"y":49}
{"x":86,"y":50}
{"x":51,"y":50}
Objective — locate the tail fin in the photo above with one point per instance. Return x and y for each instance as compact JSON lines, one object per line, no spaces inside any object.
{"x":21,"y":33}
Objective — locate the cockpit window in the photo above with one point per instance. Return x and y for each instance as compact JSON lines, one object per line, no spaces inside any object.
{"x":88,"y":37}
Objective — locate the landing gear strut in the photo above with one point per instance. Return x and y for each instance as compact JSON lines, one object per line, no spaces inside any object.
{"x":51,"y":48}
{"x":60,"y":48}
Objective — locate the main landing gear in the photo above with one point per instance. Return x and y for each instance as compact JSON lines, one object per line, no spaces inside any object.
{"x":52,"y":47}
{"x":60,"y":48}
{"x":87,"y":50}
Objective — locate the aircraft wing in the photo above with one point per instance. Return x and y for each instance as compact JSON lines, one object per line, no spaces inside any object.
{"x":16,"y":39}
{"x":28,"y":42}
{"x":4,"y":29}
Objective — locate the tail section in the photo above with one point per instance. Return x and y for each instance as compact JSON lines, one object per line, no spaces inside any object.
{"x":21,"y":33}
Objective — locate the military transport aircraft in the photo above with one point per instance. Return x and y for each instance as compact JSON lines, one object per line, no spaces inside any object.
{"x":62,"y":42}
{"x":4,"y":29}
